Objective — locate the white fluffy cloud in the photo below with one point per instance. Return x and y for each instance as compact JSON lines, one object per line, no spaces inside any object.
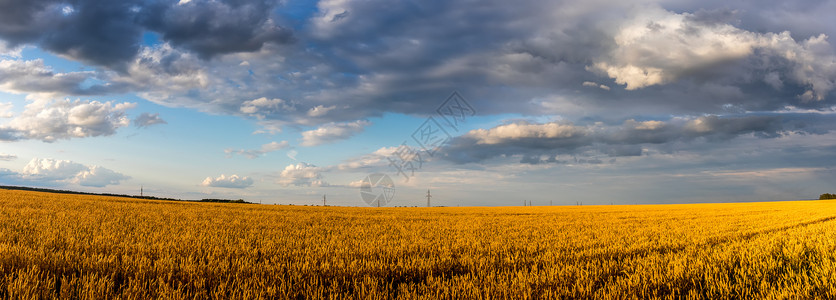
{"x":49,"y":121}
{"x":266,"y":148}
{"x":232,"y":181}
{"x":657,"y":47}
{"x":301,"y":174}
{"x":53,"y":170}
{"x":518,"y":131}
{"x":333,"y":132}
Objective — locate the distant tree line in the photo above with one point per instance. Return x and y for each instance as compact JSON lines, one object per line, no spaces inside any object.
{"x":44,"y":190}
{"x":224,"y":200}
{"x":23,"y":188}
{"x":827,"y":196}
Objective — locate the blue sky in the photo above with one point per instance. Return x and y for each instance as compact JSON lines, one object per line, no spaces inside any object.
{"x":284,"y":101}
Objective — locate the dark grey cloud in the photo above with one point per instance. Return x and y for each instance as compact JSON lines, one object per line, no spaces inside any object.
{"x":804,"y":18}
{"x":19,"y":76}
{"x":714,"y":16}
{"x":109,"y":33}
{"x":148,"y":119}
{"x":413,"y":54}
{"x":211,"y":28}
{"x":26,"y":21}
{"x":96,"y":32}
{"x":409,"y":57}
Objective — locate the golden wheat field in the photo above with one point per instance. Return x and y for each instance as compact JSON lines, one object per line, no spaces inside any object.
{"x":95,"y":247}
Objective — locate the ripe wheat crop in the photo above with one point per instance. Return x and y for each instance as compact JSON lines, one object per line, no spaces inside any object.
{"x":93,"y":247}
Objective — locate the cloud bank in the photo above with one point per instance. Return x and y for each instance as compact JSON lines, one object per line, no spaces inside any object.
{"x":630,"y":138}
{"x":52,"y":171}
{"x":353,"y":60}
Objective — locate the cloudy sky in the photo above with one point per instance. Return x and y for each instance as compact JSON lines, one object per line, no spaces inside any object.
{"x":483,"y":102}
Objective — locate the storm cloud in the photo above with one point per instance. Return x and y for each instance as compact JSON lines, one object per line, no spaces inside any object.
{"x":109,"y":33}
{"x":211,"y":28}
{"x":368,"y":58}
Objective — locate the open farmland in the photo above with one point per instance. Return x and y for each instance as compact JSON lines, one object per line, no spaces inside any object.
{"x":80,"y":246}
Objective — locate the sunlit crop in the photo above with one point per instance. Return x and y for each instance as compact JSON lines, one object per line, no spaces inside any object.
{"x":73,"y":246}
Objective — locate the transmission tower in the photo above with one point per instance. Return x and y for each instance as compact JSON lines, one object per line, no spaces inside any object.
{"x":428,"y":198}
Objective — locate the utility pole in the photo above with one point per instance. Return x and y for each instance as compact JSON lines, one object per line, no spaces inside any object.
{"x":551,"y":202}
{"x":323,"y":200}
{"x":428,"y":198}
{"x":141,"y":191}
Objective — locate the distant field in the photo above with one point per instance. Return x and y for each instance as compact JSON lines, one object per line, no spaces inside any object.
{"x":81,"y":246}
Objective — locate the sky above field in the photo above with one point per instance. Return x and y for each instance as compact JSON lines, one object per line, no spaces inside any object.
{"x":482,"y":102}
